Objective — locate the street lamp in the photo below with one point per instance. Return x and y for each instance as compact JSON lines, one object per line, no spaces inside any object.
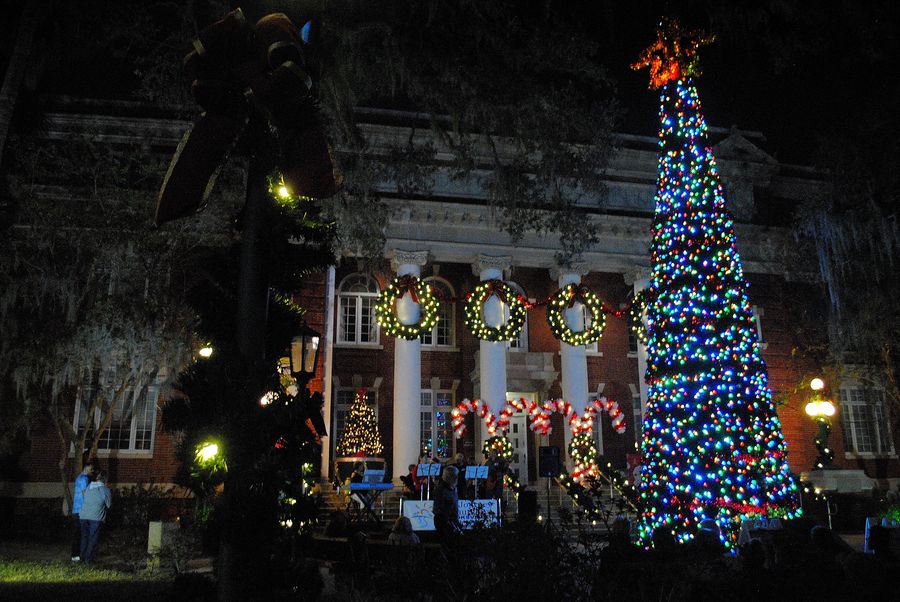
{"x":821,"y":410}
{"x":305,"y":354}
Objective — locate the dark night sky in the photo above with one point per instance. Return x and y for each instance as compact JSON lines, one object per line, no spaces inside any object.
{"x":795,"y":70}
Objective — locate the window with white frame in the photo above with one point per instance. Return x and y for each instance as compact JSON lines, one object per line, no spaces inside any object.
{"x":862,"y":417}
{"x":133,"y":424}
{"x":520,"y":343}
{"x":356,"y":323}
{"x":632,"y":343}
{"x":638,"y":417}
{"x":590,"y":347}
{"x":436,"y":433}
{"x":343,"y":399}
{"x":442,"y":335}
{"x":598,"y":431}
{"x":758,"y":313}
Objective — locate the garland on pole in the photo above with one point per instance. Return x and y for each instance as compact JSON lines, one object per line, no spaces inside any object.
{"x":583,"y":452}
{"x":636,"y":315}
{"x":474,"y":307}
{"x":386,"y":310}
{"x":475,"y":406}
{"x":565,"y":298}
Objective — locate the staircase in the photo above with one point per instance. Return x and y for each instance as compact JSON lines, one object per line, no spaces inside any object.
{"x":560,"y":500}
{"x":387,"y":508}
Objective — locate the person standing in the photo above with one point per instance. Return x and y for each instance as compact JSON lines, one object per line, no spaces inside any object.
{"x":97,"y":500}
{"x":462,"y":485}
{"x":446,"y":504}
{"x":81,"y":484}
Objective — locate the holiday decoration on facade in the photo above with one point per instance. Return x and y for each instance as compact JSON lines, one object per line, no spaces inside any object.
{"x":500,"y":444}
{"x":474,"y":310}
{"x":712,"y":445}
{"x":636,"y":313}
{"x":532,"y":408}
{"x":477,"y":407}
{"x":360,"y":435}
{"x":564,"y":299}
{"x":386,"y":308}
{"x":583,"y":451}
{"x":540,"y":420}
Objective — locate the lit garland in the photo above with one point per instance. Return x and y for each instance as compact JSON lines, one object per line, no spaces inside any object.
{"x":474,"y":309}
{"x":361,"y":430}
{"x":386,"y":310}
{"x":712,"y":443}
{"x":477,"y":407}
{"x":636,"y":315}
{"x":583,"y":452}
{"x":500,"y":444}
{"x":565,"y":298}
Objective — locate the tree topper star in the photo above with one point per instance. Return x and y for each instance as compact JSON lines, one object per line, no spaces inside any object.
{"x":673,"y":55}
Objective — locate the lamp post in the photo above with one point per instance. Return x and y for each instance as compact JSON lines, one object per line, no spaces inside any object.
{"x":305,"y":354}
{"x":821,"y":410}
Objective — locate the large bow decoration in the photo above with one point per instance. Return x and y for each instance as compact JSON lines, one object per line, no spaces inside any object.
{"x":243,"y":74}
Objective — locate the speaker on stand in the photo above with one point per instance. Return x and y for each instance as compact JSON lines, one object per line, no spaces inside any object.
{"x":548,"y":466}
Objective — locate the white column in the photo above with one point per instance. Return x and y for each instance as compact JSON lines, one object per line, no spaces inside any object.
{"x":407,"y":371}
{"x":491,"y":355}
{"x":573,"y":360}
{"x":328,"y":369}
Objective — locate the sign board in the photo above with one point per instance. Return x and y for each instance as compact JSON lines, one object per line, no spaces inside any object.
{"x":421,"y":513}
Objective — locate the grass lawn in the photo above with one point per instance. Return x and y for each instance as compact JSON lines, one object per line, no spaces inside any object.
{"x":42,"y":571}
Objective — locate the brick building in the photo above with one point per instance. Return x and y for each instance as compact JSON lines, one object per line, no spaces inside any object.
{"x":450,"y":238}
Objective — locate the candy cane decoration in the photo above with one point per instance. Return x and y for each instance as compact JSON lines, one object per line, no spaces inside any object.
{"x":475,"y":406}
{"x":586,"y":422}
{"x":540,"y":421}
{"x":519,"y":405}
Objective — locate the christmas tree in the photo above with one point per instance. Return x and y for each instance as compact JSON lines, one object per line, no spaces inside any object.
{"x":361,"y":432}
{"x":712,"y":447}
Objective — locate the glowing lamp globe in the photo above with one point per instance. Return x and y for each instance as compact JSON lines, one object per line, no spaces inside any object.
{"x":817,"y":384}
{"x":822,"y":408}
{"x":206,"y":351}
{"x":207,"y":452}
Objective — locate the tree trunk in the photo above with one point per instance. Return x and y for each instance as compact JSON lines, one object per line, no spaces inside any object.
{"x":18,"y":62}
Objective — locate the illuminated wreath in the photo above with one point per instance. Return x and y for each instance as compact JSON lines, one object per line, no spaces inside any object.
{"x":474,"y":307}
{"x":583,"y":452}
{"x":565,"y":298}
{"x":386,"y":313}
{"x":636,"y":315}
{"x":500,"y":444}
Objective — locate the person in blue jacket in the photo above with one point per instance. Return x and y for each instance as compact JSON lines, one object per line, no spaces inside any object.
{"x":81,"y":484}
{"x":97,"y":500}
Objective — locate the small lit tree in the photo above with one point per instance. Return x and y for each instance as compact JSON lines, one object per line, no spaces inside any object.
{"x":361,"y":432}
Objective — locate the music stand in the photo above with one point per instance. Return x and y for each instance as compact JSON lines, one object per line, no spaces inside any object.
{"x":474,"y":473}
{"x":428,"y":470}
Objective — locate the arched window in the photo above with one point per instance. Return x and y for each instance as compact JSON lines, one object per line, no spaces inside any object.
{"x":356,"y":323}
{"x":443,"y":333}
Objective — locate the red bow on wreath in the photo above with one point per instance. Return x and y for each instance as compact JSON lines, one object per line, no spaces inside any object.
{"x":238,"y":72}
{"x":495,"y":287}
{"x":408,"y":284}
